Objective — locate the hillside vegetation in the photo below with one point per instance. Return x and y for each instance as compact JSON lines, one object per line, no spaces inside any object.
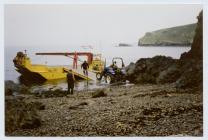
{"x":176,"y":36}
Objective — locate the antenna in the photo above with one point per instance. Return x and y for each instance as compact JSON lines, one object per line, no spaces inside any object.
{"x":100,"y":47}
{"x":25,"y":52}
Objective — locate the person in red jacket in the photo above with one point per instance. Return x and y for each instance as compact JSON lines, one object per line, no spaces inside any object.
{"x":75,"y":60}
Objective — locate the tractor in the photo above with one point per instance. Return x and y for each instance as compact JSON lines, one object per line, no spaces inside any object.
{"x":113,"y":73}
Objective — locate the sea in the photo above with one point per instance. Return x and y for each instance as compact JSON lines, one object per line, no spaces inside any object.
{"x":129,"y":54}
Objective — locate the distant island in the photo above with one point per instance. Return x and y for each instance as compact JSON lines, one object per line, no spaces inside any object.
{"x":175,"y":36}
{"x":123,"y":45}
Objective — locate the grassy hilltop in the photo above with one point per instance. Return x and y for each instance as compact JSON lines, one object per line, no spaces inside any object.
{"x":175,"y":36}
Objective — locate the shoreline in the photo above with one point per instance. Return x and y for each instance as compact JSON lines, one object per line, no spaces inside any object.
{"x":135,"y":110}
{"x":165,"y":45}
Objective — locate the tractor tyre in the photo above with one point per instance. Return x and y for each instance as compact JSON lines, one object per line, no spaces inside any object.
{"x":109,"y":79}
{"x":99,"y":76}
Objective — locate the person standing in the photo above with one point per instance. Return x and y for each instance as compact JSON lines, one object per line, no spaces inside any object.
{"x":70,"y":81}
{"x":85,"y":68}
{"x":75,"y":60}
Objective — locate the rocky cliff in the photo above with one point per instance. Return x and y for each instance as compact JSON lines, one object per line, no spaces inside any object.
{"x":196,"y":51}
{"x":175,"y":36}
{"x":187,"y":72}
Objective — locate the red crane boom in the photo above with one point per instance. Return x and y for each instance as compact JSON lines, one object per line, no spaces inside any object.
{"x":88,"y":54}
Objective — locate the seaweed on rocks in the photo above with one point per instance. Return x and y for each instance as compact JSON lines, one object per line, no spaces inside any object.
{"x":51,"y":93}
{"x":21,"y":115}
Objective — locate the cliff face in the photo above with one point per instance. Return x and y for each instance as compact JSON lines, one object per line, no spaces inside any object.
{"x":187,"y":72}
{"x":192,"y":61}
{"x":181,"y":35}
{"x":196,"y":51}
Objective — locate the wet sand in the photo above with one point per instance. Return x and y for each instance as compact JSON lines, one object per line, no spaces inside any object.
{"x":134,"y":110}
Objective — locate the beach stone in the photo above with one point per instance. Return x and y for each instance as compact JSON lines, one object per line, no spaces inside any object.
{"x":99,"y":93}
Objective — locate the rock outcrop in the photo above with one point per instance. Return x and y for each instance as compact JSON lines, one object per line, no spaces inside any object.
{"x":21,"y":115}
{"x":187,"y":72}
{"x":147,"y":70}
{"x":12,"y":88}
{"x":196,"y":51}
{"x":192,"y":61}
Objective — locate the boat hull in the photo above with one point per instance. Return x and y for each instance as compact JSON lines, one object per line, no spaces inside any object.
{"x":32,"y":76}
{"x":51,"y":74}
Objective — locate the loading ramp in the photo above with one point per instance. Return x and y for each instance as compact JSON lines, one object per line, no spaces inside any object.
{"x":79,"y":73}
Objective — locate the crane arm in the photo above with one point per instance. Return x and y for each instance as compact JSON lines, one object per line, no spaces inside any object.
{"x":66,"y":53}
{"x":88,"y":54}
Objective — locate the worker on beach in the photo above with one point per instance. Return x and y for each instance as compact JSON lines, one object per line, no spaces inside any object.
{"x":85,"y":67}
{"x":75,"y":60}
{"x":70,"y":81}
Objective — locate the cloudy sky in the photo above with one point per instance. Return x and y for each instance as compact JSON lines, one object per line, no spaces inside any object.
{"x":59,"y":27}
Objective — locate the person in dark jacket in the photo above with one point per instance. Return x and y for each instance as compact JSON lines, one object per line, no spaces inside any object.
{"x":85,"y":67}
{"x":70,"y":81}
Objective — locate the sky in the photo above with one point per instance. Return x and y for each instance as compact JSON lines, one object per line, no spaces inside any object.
{"x":58,"y":27}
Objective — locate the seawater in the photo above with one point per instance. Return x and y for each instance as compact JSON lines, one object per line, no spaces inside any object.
{"x":129,"y":54}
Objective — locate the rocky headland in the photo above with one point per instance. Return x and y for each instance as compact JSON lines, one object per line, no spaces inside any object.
{"x":175,"y":36}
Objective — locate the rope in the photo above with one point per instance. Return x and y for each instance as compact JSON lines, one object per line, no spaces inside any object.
{"x":87,"y":81}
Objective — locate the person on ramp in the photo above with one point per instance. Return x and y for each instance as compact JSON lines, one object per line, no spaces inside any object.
{"x":85,"y":67}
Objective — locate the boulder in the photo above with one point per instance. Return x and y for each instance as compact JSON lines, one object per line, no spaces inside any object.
{"x":192,"y":75}
{"x":146,"y":70}
{"x":99,"y":93}
{"x":11,"y":87}
{"x":170,"y":75}
{"x":20,"y":115}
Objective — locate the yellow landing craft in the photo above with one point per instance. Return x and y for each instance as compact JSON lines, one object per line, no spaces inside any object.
{"x":43,"y":72}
